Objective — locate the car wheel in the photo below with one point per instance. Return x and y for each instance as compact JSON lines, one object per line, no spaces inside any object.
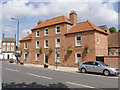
{"x":106,"y":72}
{"x":83,"y":70}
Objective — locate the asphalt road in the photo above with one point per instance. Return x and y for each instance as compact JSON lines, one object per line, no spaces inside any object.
{"x":18,"y":76}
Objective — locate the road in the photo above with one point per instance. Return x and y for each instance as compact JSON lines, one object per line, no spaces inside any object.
{"x":18,"y":76}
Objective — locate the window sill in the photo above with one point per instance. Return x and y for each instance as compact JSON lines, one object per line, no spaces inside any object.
{"x":45,"y":35}
{"x":57,"y":62}
{"x":45,"y":47}
{"x":78,"y":45}
{"x":36,"y":61}
{"x":57,"y":33}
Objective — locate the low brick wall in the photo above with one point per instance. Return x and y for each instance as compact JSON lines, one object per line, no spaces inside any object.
{"x":113,"y":61}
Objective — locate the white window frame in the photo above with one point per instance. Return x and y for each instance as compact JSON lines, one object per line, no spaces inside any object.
{"x":24,"y":57}
{"x":98,"y":40}
{"x":37,"y":46}
{"x":8,"y":48}
{"x":58,"y":61}
{"x":76,"y":44}
{"x":37,"y":33}
{"x":3,"y":48}
{"x":12,"y":44}
{"x":56,"y":29}
{"x":76,"y":61}
{"x":46,"y":31}
{"x":12,"y":48}
{"x":4,"y":43}
{"x":56,"y":43}
{"x":37,"y":58}
{"x":45,"y":44}
{"x":25,"y":46}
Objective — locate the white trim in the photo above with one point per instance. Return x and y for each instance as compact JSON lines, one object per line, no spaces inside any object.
{"x":56,"y":29}
{"x":98,"y":40}
{"x":76,"y":40}
{"x":45,"y":32}
{"x":36,"y":57}
{"x":76,"y":57}
{"x":36,"y":43}
{"x":56,"y":42}
{"x":45,"y":44}
{"x":56,"y":56}
{"x":24,"y":45}
{"x":36,"y":33}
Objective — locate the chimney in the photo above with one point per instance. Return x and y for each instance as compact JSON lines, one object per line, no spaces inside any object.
{"x":3,"y":35}
{"x":40,"y":21}
{"x":15,"y":36}
{"x":73,"y":17}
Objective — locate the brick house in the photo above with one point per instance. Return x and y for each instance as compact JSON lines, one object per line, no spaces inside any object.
{"x":113,"y":58}
{"x":75,"y":42}
{"x":8,"y":47}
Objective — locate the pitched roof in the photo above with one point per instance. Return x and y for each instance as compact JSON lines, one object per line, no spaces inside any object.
{"x":105,"y":28}
{"x":114,"y":39}
{"x":26,"y":38}
{"x":57,"y":20}
{"x":84,"y":26}
{"x":8,"y":40}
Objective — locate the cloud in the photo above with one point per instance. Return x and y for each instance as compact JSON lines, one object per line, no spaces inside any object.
{"x":24,"y":33}
{"x":97,"y":12}
{"x":6,"y":29}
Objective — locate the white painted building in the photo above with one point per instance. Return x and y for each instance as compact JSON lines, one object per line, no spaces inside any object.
{"x":8,"y":48}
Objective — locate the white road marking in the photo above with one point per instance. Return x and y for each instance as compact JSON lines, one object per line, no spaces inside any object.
{"x":79,"y":85}
{"x":12,"y":70}
{"x":39,"y":76}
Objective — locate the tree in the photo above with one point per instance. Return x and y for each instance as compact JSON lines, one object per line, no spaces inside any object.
{"x":112,"y":29}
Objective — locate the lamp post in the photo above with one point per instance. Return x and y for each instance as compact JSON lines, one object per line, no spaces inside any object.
{"x":56,"y":52}
{"x":17,"y":51}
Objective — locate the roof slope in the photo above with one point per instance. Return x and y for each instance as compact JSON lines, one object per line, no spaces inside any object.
{"x":84,"y":26}
{"x":104,"y":27}
{"x":8,"y":40}
{"x":53,"y":21}
{"x":26,"y":38}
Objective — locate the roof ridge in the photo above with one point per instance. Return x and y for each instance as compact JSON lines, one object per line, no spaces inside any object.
{"x":90,"y":24}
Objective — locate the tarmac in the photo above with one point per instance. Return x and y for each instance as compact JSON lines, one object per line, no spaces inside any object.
{"x":51,"y":67}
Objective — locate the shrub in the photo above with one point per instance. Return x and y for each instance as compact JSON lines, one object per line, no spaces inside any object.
{"x":70,"y":49}
{"x":40,"y":50}
{"x":50,"y":50}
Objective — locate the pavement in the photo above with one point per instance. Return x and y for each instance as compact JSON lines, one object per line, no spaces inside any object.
{"x":51,"y":67}
{"x":20,"y":76}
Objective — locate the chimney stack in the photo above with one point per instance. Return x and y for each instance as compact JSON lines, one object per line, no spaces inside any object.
{"x":73,"y":17}
{"x":3,"y":35}
{"x":40,"y":21}
{"x":15,"y":36}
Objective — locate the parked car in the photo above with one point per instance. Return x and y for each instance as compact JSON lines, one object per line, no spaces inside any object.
{"x":98,"y":67}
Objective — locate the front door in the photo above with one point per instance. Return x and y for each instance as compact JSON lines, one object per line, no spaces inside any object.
{"x":8,"y":56}
{"x":46,"y":58}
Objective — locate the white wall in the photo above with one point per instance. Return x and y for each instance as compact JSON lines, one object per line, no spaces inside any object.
{"x":11,"y":56}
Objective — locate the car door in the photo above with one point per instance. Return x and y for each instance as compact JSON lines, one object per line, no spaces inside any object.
{"x":89,"y":66}
{"x":97,"y":67}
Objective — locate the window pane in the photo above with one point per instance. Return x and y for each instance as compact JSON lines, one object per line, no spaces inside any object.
{"x":78,"y":38}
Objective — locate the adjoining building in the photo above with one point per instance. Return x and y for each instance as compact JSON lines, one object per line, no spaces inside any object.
{"x":8,"y":48}
{"x":75,"y":42}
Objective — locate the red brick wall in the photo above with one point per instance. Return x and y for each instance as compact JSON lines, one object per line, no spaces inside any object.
{"x":113,"y":61}
{"x":101,"y":49}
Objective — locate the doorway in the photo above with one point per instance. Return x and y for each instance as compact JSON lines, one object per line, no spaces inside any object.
{"x":46,"y":58}
{"x":100,"y":59}
{"x":8,"y":56}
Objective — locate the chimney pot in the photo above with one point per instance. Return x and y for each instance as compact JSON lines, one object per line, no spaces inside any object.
{"x":3,"y":35}
{"x":40,"y":21}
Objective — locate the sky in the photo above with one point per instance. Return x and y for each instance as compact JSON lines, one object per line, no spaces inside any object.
{"x":29,"y":12}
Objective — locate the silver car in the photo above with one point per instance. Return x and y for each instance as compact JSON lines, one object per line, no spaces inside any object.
{"x":98,"y":67}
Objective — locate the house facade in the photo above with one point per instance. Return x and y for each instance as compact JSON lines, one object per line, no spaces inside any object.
{"x":65,"y":42}
{"x":8,"y":48}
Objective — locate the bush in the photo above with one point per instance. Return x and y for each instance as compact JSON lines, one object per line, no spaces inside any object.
{"x":21,"y":62}
{"x":45,"y":65}
{"x":70,"y":49}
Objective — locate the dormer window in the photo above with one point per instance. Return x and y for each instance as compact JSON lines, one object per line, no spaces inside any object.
{"x":58,"y":29}
{"x":37,"y":33}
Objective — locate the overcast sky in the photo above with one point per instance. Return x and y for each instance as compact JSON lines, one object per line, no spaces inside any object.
{"x":102,"y":12}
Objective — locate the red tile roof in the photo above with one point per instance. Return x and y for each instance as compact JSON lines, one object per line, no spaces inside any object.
{"x":57,"y":20}
{"x":26,"y":38}
{"x":84,"y":26}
